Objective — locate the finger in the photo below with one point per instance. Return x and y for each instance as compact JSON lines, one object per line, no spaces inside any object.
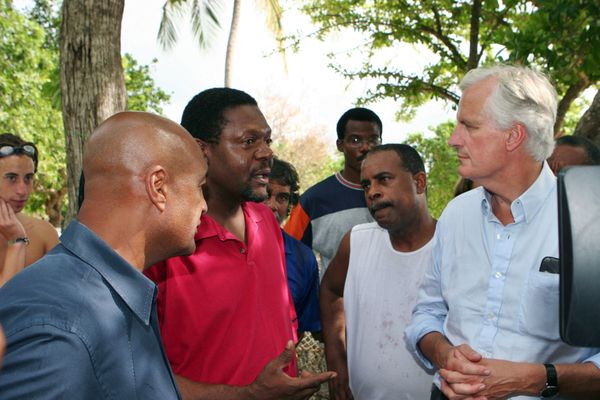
{"x":9,"y":209}
{"x":467,"y":352}
{"x":3,"y":209}
{"x":466,"y":388}
{"x":467,"y":368}
{"x":317,"y":380}
{"x":286,"y":356}
{"x":306,"y":374}
{"x":457,"y":377}
{"x":450,"y":393}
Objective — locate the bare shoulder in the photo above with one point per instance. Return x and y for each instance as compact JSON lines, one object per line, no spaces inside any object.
{"x":40,"y":231}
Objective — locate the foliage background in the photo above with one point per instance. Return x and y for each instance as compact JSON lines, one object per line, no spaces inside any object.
{"x":30,"y":96}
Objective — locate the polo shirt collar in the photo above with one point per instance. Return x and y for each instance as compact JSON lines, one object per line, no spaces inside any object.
{"x":209,"y":227}
{"x":137,"y":291}
{"x":526,"y":206}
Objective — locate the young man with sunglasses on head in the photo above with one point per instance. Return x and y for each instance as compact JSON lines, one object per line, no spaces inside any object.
{"x":23,"y":239}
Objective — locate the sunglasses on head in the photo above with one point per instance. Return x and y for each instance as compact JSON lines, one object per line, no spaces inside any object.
{"x":8,"y":150}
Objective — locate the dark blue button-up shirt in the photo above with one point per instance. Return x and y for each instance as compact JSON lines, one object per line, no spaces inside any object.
{"x":303,"y":281}
{"x":81,"y":324}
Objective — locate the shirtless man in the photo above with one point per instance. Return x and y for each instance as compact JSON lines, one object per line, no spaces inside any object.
{"x":23,"y":239}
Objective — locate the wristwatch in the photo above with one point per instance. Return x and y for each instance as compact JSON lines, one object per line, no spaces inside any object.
{"x":20,"y":239}
{"x":551,"y":388}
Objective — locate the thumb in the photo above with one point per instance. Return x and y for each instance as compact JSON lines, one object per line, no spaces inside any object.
{"x":286,"y":356}
{"x":468,"y":353}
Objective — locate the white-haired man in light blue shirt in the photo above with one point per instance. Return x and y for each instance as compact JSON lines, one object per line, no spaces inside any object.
{"x":487,"y":316}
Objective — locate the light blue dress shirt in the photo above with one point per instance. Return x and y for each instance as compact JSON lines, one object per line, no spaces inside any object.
{"x":484,"y":287}
{"x":81,"y":323}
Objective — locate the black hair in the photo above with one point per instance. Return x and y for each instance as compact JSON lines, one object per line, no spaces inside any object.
{"x":14,"y":140}
{"x":411,"y":160}
{"x":357,"y":114}
{"x":285,"y":173}
{"x":203,"y":115}
{"x":591,"y":150}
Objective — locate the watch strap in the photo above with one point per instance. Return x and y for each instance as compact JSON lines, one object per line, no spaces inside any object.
{"x":551,"y":387}
{"x":551,"y":375}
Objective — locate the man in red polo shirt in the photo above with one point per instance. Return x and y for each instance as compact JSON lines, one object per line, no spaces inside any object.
{"x":226,"y":314}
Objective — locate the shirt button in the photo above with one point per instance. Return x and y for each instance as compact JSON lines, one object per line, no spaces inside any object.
{"x":491,"y":315}
{"x":242,"y":250}
{"x":498,"y":275}
{"x":498,"y":236}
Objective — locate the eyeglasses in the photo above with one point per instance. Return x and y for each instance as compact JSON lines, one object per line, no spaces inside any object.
{"x":355,"y":141}
{"x":8,"y":150}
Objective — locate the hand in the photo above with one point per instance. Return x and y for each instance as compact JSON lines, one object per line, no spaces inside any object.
{"x":10,"y":226}
{"x":272,"y":383}
{"x":463,"y":374}
{"x":509,"y":379}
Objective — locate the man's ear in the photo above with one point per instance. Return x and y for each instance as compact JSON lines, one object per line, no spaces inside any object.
{"x":338,"y":144}
{"x":156,"y":186}
{"x":205,"y":147}
{"x":420,"y":179}
{"x":516,"y":136}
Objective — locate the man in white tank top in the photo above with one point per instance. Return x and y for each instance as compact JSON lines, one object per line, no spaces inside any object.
{"x":370,"y":287}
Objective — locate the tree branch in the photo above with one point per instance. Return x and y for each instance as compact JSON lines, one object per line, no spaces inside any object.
{"x":570,"y":95}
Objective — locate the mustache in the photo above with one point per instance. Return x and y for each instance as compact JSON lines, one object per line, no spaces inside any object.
{"x":378,"y":206}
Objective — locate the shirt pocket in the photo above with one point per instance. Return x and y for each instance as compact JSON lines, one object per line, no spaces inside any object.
{"x":539,"y":315}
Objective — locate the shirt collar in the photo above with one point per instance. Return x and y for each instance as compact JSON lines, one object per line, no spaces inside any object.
{"x":209,"y":227}
{"x":526,"y":206}
{"x":137,"y":291}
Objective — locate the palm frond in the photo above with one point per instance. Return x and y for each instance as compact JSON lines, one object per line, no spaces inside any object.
{"x":274,"y":17}
{"x":204,"y":19}
{"x":167,"y":32}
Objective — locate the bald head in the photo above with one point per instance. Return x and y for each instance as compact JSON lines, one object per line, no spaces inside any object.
{"x":129,"y":142}
{"x":147,"y":171}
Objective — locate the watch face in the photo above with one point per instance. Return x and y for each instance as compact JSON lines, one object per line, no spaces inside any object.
{"x":549,"y":391}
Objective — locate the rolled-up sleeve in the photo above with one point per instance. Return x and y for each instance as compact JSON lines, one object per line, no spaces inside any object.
{"x":47,"y":362}
{"x":430,"y":311}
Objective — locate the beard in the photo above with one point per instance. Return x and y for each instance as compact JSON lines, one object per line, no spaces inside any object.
{"x":250,"y":194}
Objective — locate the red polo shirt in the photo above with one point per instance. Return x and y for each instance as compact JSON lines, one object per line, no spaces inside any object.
{"x":226,"y":310}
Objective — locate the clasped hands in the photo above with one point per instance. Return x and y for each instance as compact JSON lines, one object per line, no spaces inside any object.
{"x":467,"y":375}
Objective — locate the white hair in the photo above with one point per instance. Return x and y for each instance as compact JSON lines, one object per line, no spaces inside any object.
{"x":524,"y":96}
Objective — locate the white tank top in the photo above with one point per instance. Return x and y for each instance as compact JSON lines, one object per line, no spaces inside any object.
{"x":379,"y":295}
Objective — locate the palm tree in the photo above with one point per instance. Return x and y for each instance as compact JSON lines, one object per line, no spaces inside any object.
{"x":204,"y":19}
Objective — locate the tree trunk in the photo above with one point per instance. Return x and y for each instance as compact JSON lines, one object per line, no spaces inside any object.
{"x":91,"y":74}
{"x":473,"y":60}
{"x":589,"y":124}
{"x":564,"y":104}
{"x":237,"y":5}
